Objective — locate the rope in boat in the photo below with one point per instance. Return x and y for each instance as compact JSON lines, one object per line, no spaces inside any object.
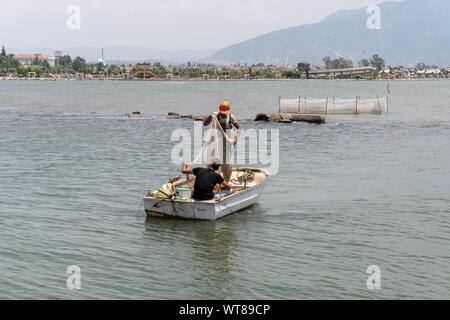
{"x":140,"y":206}
{"x":246,"y":176}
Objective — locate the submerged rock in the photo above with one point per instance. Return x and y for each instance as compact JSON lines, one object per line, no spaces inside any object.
{"x":262,"y":117}
{"x":290,"y":117}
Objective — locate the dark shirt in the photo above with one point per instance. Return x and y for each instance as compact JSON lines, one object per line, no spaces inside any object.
{"x":205,"y":181}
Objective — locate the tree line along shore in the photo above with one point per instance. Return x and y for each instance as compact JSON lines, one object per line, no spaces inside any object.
{"x":68,"y":68}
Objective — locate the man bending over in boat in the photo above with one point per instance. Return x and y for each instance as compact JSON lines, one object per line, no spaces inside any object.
{"x":226,"y":120}
{"x":205,"y":181}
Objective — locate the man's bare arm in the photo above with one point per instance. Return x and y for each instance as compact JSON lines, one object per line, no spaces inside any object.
{"x":207,"y":121}
{"x":225,"y":186}
{"x":185,"y":170}
{"x":238,"y":133}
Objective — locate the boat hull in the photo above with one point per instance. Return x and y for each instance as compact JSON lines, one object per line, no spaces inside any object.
{"x":204,"y":210}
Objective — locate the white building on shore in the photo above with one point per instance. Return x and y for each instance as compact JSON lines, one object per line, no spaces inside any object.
{"x":27,"y":59}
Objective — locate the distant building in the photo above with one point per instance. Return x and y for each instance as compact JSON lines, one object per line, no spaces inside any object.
{"x":27,"y":59}
{"x":143,"y":70}
{"x":433,"y":70}
{"x":284,"y":67}
{"x":102,"y":60}
{"x":316,"y":68}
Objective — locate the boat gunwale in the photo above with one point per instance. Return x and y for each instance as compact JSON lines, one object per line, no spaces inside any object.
{"x":214,"y":201}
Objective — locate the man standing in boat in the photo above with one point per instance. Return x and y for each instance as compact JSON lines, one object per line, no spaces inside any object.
{"x":226,"y":120}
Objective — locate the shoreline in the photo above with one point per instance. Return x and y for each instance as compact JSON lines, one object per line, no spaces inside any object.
{"x":195,"y":79}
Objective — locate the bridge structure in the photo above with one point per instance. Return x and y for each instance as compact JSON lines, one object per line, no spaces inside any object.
{"x":143,"y":71}
{"x":333,"y":73}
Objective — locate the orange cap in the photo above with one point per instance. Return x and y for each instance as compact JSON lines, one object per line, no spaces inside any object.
{"x":224,"y":107}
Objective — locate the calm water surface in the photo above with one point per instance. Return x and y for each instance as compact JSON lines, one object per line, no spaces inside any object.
{"x":356,"y":191}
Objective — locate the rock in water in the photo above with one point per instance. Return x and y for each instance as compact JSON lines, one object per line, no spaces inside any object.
{"x":262,"y":117}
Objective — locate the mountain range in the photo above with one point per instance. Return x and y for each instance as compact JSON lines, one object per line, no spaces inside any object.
{"x":411,"y":31}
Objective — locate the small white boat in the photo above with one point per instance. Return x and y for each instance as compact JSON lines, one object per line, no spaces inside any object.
{"x":247,"y":185}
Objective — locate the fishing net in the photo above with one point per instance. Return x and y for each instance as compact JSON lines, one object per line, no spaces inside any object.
{"x":313,"y":106}
{"x":342,"y":106}
{"x":334,"y":105}
{"x":375,"y":106}
{"x":217,"y":147}
{"x":289,"y":105}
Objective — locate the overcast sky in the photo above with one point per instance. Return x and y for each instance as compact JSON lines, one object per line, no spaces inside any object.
{"x":161,"y":24}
